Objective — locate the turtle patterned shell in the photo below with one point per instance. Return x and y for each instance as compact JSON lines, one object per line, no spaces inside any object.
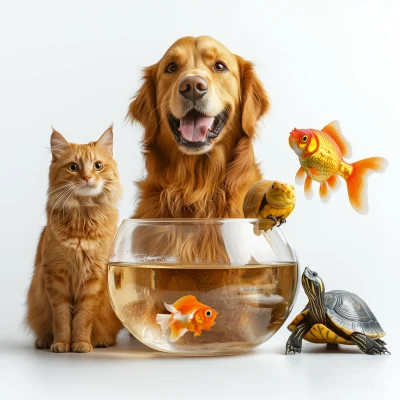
{"x":351,"y":314}
{"x":254,"y":197}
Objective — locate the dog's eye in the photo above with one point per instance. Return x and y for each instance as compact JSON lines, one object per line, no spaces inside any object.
{"x":219,"y":67}
{"x":171,"y":68}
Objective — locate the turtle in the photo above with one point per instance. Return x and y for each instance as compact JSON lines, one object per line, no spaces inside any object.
{"x":335,"y":317}
{"x":271,"y":200}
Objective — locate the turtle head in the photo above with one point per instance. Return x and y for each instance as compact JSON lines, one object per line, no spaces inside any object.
{"x":313,"y":285}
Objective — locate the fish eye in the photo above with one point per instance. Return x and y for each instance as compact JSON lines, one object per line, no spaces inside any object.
{"x":304,"y":138}
{"x":219,"y":66}
{"x":98,"y":166}
{"x":73,"y":167}
{"x":171,"y":68}
{"x":208,"y":313}
{"x":314,"y":274}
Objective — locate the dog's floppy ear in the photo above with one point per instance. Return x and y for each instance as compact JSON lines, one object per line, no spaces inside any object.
{"x":143,"y":106}
{"x":254,"y":98}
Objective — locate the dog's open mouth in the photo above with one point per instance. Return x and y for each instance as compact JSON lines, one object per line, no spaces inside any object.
{"x":197,"y":130}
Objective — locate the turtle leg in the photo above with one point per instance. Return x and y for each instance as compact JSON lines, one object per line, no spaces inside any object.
{"x":381,"y":342}
{"x":293,"y":345}
{"x":281,"y":221}
{"x":367,"y":345}
{"x":272,"y":218}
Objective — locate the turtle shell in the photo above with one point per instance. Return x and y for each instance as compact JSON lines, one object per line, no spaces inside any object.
{"x":254,"y":198}
{"x":318,"y":332}
{"x":349,"y":313}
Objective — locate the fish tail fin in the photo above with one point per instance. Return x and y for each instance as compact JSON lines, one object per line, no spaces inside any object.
{"x":164,"y":320}
{"x":357,"y":181}
{"x":177,"y":333}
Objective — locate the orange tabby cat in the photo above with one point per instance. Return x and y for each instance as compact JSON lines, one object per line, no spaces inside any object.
{"x":68,"y":306}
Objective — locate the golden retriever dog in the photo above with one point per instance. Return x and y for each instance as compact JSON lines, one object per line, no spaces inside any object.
{"x":199,"y":106}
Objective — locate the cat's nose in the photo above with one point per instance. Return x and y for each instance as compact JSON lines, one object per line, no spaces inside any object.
{"x":86,"y":178}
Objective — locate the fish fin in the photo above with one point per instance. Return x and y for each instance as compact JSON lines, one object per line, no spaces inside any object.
{"x":184,"y":301}
{"x":357,"y":181}
{"x":170,"y":308}
{"x":300,"y":176}
{"x":313,"y":171}
{"x":178,"y":316}
{"x":177,"y":333}
{"x":334,"y":183}
{"x":324,"y":192}
{"x":308,"y":188}
{"x":335,"y":132}
{"x":164,"y":320}
{"x":197,"y":331}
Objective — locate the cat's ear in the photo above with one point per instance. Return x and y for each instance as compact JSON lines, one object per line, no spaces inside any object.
{"x":58,"y":143}
{"x":106,"y":141}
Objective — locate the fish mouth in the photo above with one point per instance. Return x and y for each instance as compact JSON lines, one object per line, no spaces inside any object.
{"x":196,"y":131}
{"x":291,"y":142}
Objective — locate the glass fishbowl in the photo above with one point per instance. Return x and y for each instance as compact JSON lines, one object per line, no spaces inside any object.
{"x":201,"y":287}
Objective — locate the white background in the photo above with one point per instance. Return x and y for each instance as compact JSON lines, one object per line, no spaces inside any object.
{"x":75,"y":65}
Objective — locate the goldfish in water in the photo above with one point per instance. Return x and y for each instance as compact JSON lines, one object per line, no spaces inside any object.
{"x":321,"y":158}
{"x":187,"y":315}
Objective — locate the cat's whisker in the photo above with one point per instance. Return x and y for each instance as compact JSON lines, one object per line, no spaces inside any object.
{"x":73,"y":192}
{"x":110,"y":186}
{"x":59,"y":188}
{"x":60,"y":198}
{"x":108,"y":193}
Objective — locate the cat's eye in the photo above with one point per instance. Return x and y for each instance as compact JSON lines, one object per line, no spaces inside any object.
{"x":73,"y":167}
{"x":98,"y":166}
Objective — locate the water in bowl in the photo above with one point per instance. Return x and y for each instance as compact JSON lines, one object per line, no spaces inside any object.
{"x":252,"y":302}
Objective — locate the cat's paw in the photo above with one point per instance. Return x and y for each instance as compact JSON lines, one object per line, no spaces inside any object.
{"x":42,"y":344}
{"x":81,"y":347}
{"x":60,"y":347}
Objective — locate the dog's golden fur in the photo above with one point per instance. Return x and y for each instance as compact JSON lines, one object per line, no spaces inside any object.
{"x":206,"y":185}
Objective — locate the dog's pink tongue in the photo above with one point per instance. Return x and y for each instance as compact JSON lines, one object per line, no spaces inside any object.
{"x":194,"y":129}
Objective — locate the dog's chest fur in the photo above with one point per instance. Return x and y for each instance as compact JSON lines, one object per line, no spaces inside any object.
{"x":208,"y":187}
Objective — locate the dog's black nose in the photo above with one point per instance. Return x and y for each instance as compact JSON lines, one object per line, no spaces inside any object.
{"x":193,"y":87}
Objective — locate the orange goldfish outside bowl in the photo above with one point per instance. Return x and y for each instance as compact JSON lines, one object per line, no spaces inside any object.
{"x":201,"y":287}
